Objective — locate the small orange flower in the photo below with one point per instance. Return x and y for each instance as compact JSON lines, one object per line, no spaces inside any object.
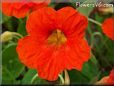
{"x":55,"y":42}
{"x":107,"y":79}
{"x":108,"y":27}
{"x":22,"y":8}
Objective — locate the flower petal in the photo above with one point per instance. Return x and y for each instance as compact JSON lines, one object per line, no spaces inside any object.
{"x":21,"y":13}
{"x":111,"y":77}
{"x":79,"y":52}
{"x":73,"y":54}
{"x":21,"y":9}
{"x":15,"y":9}
{"x":71,"y":22}
{"x":34,"y":54}
{"x":108,"y":27}
{"x":27,"y":50}
{"x":7,"y":8}
{"x":41,"y":21}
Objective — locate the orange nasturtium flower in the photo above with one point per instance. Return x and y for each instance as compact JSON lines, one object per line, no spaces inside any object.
{"x":55,"y":42}
{"x":108,"y":27}
{"x":21,"y":8}
{"x":107,"y":79}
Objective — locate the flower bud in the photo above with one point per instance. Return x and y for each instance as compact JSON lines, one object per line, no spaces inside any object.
{"x":6,"y":36}
{"x":106,"y":10}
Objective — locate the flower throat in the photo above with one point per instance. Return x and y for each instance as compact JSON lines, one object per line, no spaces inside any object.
{"x":57,"y":37}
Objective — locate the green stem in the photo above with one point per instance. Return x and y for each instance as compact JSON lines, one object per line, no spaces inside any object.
{"x":61,"y":78}
{"x":92,"y":37}
{"x":67,"y":78}
{"x":34,"y":78}
{"x":17,"y":34}
{"x":95,"y":22}
{"x":100,"y":35}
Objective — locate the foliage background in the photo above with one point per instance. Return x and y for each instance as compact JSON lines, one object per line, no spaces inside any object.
{"x":100,"y":64}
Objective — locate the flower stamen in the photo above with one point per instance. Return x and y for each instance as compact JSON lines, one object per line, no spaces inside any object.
{"x":57,"y":37}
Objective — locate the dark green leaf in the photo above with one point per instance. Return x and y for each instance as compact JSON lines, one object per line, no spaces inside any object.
{"x":91,"y":68}
{"x":11,"y":62}
{"x":21,"y":28}
{"x":76,"y":77}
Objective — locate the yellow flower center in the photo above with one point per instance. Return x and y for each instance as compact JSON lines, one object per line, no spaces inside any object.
{"x":57,"y":37}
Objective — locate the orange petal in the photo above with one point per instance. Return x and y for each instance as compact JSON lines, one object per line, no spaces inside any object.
{"x":17,"y":10}
{"x":21,"y":9}
{"x":41,"y":21}
{"x":108,"y":27}
{"x":7,"y":9}
{"x":27,"y":51}
{"x":79,"y":52}
{"x":111,"y":78}
{"x":103,"y":80}
{"x":71,"y":22}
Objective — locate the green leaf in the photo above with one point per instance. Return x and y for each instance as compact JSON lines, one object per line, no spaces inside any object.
{"x":6,"y":74}
{"x":107,"y":54}
{"x":91,"y":69}
{"x":29,"y":76}
{"x":11,"y":62}
{"x":89,"y":73}
{"x":21,"y":28}
{"x":7,"y":77}
{"x":76,"y":77}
